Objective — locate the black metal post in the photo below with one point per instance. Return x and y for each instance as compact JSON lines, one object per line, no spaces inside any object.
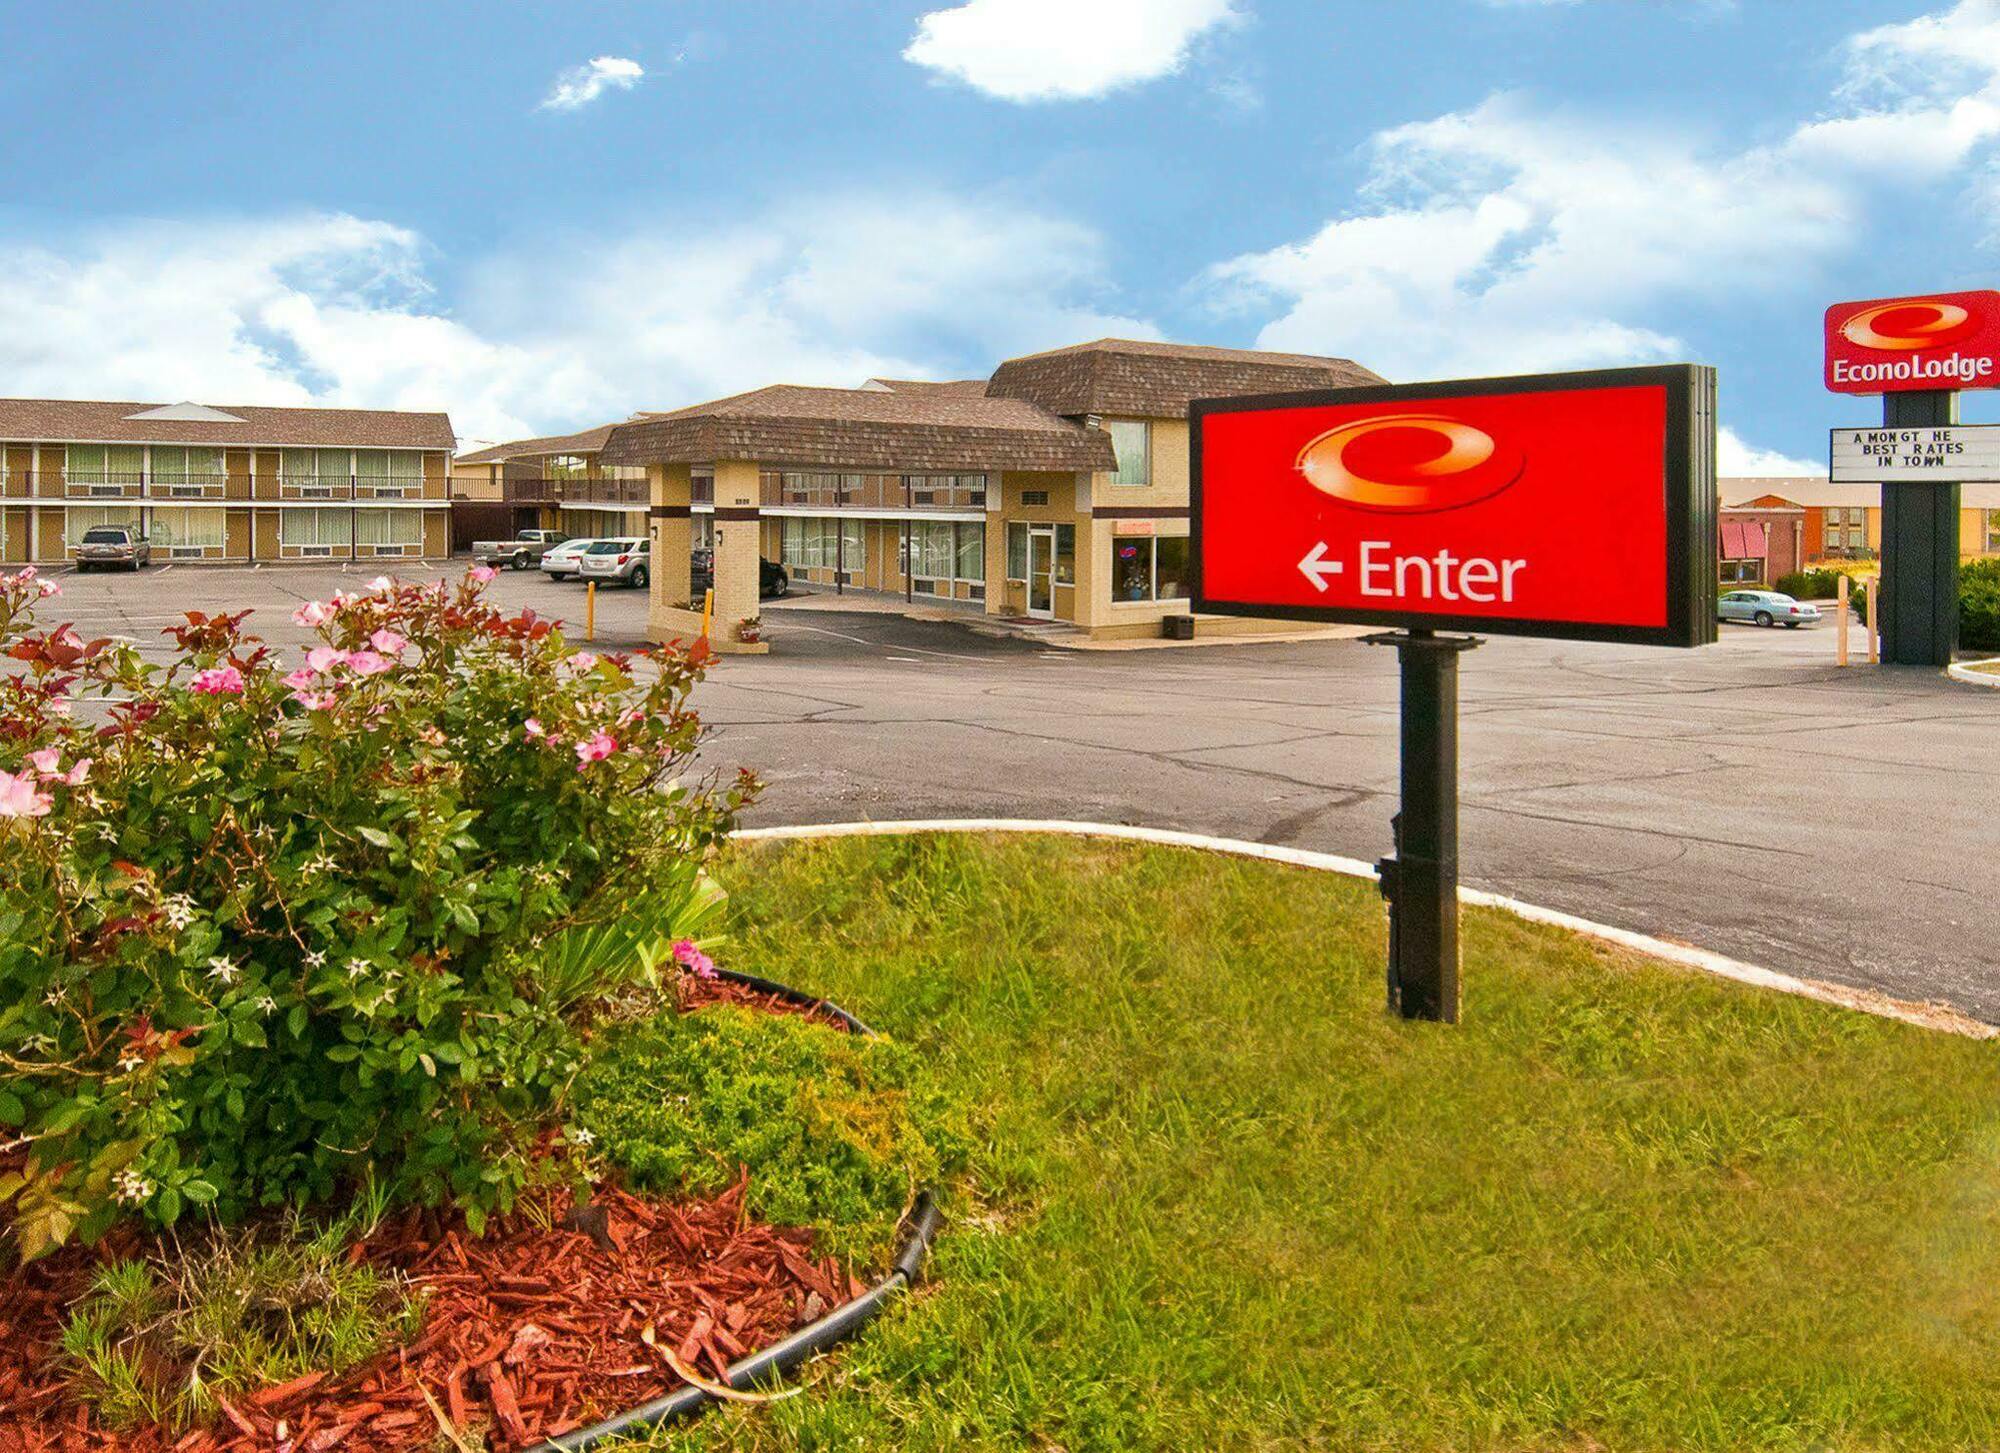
{"x":1421,"y":880}
{"x":1919,"y":606}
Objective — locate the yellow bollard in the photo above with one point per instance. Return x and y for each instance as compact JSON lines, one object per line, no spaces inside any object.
{"x":707,"y":610}
{"x":1840,"y":622}
{"x":1874,"y":621}
{"x":590,"y":610}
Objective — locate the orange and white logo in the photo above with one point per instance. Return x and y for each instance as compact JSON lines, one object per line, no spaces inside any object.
{"x":1909,"y":323}
{"x":1409,"y":463}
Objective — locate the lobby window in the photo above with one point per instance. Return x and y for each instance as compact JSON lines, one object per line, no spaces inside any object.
{"x":971,"y":553}
{"x":817,"y":545}
{"x":1132,"y":441}
{"x":1065,"y":554}
{"x":1017,"y":552}
{"x":1148,"y":568}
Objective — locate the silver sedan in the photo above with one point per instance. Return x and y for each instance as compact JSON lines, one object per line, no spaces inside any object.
{"x":1766,"y":608}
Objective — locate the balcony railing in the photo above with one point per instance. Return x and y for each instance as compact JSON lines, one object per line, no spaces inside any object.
{"x":575,"y":491}
{"x":873,"y":491}
{"x":102,"y":484}
{"x":106,"y":484}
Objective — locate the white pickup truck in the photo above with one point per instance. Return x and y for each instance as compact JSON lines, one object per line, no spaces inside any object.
{"x":519,"y":553}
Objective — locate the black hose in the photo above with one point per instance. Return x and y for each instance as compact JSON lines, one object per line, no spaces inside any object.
{"x":783,"y":1356}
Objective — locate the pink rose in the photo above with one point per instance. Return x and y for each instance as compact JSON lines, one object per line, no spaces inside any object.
{"x":19,"y":797}
{"x":532,"y":728}
{"x":388,"y":642}
{"x":583,"y":661}
{"x":300,"y":679}
{"x":314,"y":700}
{"x":380,"y":585}
{"x":45,"y":761}
{"x":218,"y":681}
{"x":313,"y":614}
{"x":368,"y":663}
{"x":595,"y":748}
{"x":325,"y":658}
{"x":482,"y":573}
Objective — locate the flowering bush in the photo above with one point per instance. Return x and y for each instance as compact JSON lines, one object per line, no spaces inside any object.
{"x":268,"y":929}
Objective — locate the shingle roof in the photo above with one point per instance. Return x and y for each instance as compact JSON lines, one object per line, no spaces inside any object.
{"x":1818,"y":492}
{"x":588,"y":442}
{"x":869,"y":429}
{"x":56,"y":421}
{"x":1158,"y":380}
{"x":974,"y":386}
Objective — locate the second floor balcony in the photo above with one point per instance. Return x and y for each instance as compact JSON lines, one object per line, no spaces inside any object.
{"x":545,"y":491}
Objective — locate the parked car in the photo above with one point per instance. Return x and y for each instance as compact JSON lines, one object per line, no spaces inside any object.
{"x":525,"y":549}
{"x":773,"y":580}
{"x":112,"y":545}
{"x":622,"y":557}
{"x":1766,"y":608}
{"x":562,"y":560}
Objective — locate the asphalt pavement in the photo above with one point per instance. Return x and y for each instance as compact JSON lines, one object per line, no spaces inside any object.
{"x":1750,"y":797}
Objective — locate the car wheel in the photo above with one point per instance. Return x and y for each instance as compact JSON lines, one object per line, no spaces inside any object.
{"x":1763,"y":618}
{"x":520,"y":561}
{"x":639,"y":578}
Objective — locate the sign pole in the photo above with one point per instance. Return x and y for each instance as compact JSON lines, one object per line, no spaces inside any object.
{"x":1421,"y":880}
{"x":1920,"y":546}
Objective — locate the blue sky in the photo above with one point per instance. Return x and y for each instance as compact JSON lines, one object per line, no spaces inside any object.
{"x":544,"y":216}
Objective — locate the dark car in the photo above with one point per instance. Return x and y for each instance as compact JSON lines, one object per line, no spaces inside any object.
{"x":772,"y":579}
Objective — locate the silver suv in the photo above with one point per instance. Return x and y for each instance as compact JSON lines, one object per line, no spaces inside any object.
{"x":623,"y":558}
{"x":112,"y":545}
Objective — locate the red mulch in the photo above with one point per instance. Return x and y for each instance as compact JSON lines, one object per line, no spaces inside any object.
{"x":526,"y":1333}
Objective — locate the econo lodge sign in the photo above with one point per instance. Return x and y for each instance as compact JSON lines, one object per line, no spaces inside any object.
{"x":1578,"y":505}
{"x":1936,"y":341}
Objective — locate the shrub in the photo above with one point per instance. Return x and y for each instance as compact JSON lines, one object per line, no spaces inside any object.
{"x":1823,"y":583}
{"x":1979,"y":604}
{"x":266,"y":931}
{"x":836,"y":1130}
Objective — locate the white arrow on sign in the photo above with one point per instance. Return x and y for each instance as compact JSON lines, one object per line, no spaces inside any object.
{"x":1316,"y":567}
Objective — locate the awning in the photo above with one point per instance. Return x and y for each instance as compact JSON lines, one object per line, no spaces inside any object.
{"x":1732,"y":541}
{"x":1756,"y":540}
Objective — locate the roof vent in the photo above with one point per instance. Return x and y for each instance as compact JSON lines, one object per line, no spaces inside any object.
{"x":184,"y":412}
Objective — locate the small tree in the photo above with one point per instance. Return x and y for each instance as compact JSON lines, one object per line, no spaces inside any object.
{"x":268,"y":929}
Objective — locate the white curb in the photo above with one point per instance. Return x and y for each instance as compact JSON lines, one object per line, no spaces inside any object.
{"x":1964,"y":672}
{"x":1867,"y":1001}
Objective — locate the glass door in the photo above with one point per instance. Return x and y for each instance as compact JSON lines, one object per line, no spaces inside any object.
{"x":1041,"y":572}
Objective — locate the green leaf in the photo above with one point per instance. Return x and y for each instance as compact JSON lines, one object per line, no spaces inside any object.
{"x":198,"y":1191}
{"x":167,"y":1206}
{"x":378,"y":837}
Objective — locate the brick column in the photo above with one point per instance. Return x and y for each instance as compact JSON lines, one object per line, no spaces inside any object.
{"x":738,"y":536}
{"x":671,"y":528}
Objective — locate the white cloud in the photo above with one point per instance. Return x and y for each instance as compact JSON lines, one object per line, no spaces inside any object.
{"x":1513,"y":237}
{"x":1736,"y":459}
{"x":340,"y":310}
{"x":1062,"y":50}
{"x":580,"y":85}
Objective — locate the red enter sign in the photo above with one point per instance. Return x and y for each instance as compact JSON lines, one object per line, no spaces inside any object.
{"x":1558,"y":505}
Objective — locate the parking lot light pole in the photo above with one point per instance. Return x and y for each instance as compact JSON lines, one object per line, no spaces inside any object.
{"x":1421,"y":880}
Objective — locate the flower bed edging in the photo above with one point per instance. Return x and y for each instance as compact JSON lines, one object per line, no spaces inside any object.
{"x":760,"y":1369}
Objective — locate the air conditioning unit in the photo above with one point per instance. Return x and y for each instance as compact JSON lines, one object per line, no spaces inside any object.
{"x":186,"y":552}
{"x":925,"y":497}
{"x":394,"y":549}
{"x":101,"y":491}
{"x":388,"y":491}
{"x":315,"y":491}
{"x":186,"y":491}
{"x":310,"y":551}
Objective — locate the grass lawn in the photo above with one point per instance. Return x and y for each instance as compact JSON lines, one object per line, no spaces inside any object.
{"x":1221,"y":1201}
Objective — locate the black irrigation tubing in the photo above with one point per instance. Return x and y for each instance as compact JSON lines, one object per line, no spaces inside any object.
{"x":760,"y":1369}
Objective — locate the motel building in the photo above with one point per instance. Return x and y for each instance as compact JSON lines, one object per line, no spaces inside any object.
{"x":1773,"y":525}
{"x":224,"y":484}
{"x":553,"y":483}
{"x":1056,"y":490}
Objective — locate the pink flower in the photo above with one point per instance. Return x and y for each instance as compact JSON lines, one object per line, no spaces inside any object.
{"x":582,"y":661}
{"x":19,"y":797}
{"x":693,"y":959}
{"x":26,"y":572}
{"x":48,"y":762}
{"x":48,"y":588}
{"x":300,"y":679}
{"x":218,"y":681}
{"x":314,"y":700}
{"x":595,"y":748}
{"x":78,"y":772}
{"x":45,"y":761}
{"x":313,"y":614}
{"x":532,"y":728}
{"x":325,"y":658}
{"x":381,"y":584}
{"x":388,"y":642}
{"x":368,"y":663}
{"x":482,"y":573}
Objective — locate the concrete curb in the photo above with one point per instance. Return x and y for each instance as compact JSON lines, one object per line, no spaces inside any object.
{"x":1928,"y":1016}
{"x":1962,"y":671}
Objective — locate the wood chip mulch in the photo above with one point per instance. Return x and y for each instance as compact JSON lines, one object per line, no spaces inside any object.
{"x":530,"y":1332}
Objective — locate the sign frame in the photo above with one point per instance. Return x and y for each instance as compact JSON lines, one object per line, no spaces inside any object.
{"x":1840,"y":347}
{"x":1981,"y":474}
{"x":1692,"y":511}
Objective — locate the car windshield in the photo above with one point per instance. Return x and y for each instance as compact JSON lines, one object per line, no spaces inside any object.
{"x":103,"y":537}
{"x":608,"y":547}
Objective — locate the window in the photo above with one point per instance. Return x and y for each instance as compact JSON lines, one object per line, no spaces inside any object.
{"x":567,"y":466}
{"x":1738,"y":572}
{"x":317,"y":529}
{"x":387,"y":527}
{"x":104,"y":464}
{"x":391,"y":468}
{"x":1065,"y":554}
{"x":1148,"y":567}
{"x":176,"y":467}
{"x":817,"y":545}
{"x":1017,"y":552}
{"x":1132,"y":441}
{"x":971,"y":553}
{"x":185,"y":529}
{"x":1993,"y":532}
{"x":316,"y":468}
{"x":1034,"y":499}
{"x":98,"y":517}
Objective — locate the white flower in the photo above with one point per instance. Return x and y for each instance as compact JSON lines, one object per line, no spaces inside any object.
{"x":131,"y":1062}
{"x":315,"y":959}
{"x":179,"y":909}
{"x":577,"y":1135}
{"x":131,"y":1188}
{"x":222,"y":970}
{"x":356,"y":968}
{"x":266,"y":1004}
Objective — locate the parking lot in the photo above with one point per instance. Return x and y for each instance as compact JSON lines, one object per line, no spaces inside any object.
{"x":1751,"y":797}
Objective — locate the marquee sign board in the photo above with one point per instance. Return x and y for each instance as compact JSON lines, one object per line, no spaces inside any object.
{"x":1947,"y":454}
{"x":1933,"y":341}
{"x":1579,"y":505}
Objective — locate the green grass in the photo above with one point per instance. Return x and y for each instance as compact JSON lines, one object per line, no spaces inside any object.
{"x":1219,"y":1200}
